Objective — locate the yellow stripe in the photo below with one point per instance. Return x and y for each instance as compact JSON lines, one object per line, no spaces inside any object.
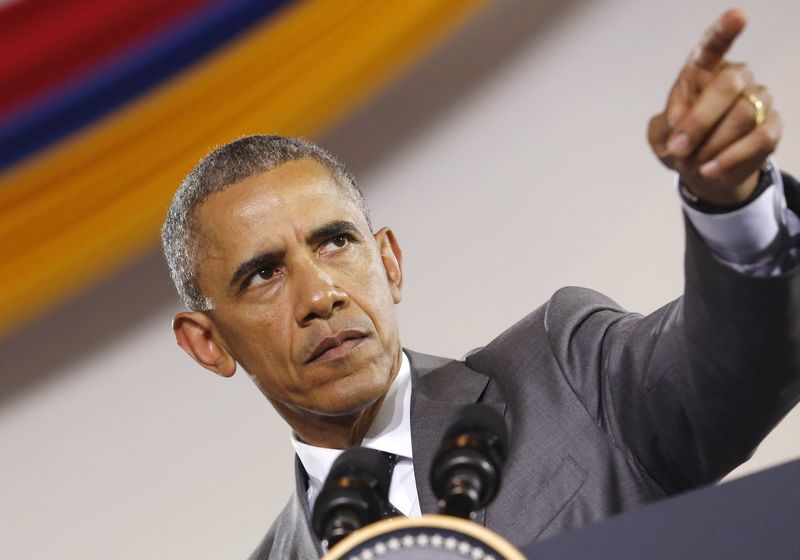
{"x":96,"y":201}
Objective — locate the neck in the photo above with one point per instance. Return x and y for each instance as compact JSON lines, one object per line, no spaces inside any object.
{"x":338,"y":432}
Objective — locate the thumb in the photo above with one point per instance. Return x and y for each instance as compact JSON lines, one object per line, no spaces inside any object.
{"x":658,"y":131}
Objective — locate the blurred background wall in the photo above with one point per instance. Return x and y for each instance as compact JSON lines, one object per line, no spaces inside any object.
{"x":510,"y":160}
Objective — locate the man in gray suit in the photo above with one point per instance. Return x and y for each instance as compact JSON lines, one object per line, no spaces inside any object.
{"x":271,"y":248}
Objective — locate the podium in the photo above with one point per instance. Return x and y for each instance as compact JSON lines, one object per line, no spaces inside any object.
{"x":755,"y":517}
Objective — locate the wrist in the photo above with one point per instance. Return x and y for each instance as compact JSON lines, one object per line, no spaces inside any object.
{"x":749,"y":191}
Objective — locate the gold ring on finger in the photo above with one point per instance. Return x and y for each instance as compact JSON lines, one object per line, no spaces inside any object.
{"x":758,"y":107}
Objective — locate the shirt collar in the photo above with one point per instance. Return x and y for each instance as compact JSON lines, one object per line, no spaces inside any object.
{"x":390,"y":430}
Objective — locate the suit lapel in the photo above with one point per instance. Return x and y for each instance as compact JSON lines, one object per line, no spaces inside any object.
{"x":439,"y":388}
{"x":307,"y":543}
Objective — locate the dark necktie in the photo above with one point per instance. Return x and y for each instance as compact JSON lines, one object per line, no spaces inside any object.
{"x":391,"y":511}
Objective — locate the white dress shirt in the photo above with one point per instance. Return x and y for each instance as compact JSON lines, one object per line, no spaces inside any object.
{"x":391,"y":432}
{"x":742,"y":239}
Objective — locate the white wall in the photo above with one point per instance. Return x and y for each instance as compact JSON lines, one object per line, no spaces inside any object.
{"x":512,"y":162}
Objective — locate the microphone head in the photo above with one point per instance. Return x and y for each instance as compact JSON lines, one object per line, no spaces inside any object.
{"x":355,"y":494}
{"x":480,"y":418}
{"x":466,"y":469}
{"x":370,"y":465}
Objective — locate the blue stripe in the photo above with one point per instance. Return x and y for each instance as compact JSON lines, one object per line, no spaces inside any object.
{"x":121,"y":79}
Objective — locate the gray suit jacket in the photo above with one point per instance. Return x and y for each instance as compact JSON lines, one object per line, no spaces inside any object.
{"x":608,"y":410}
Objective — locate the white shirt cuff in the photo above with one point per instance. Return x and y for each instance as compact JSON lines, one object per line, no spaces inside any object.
{"x":742,"y":236}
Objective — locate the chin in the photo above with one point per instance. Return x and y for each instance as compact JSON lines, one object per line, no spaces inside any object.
{"x":352,"y":394}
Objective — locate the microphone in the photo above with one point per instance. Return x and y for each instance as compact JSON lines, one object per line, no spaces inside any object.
{"x":355,"y":494}
{"x":466,"y":469}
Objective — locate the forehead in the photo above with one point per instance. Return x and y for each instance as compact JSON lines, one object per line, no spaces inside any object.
{"x":297,"y":196}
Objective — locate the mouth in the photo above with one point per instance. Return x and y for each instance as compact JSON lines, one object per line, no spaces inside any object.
{"x":336,"y":346}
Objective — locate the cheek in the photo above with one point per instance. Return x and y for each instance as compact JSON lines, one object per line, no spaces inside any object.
{"x":374,"y":296}
{"x":259,"y":340}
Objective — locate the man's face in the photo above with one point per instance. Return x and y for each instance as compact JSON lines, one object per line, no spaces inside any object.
{"x":303,"y":293}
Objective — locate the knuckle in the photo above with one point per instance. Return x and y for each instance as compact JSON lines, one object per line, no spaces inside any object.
{"x":767,"y":136}
{"x":653,"y":125}
{"x":743,"y":115}
{"x":775,"y":129}
{"x":762,"y":135}
{"x":739,"y":66}
{"x":692,"y":125}
{"x":657,"y":130}
{"x":731,"y":82}
{"x":764,"y":95}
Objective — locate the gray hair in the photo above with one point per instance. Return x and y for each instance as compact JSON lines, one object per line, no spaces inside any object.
{"x":224,"y":166}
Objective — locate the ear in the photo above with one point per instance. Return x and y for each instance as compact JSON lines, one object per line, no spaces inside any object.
{"x":196,"y":334}
{"x":392,"y":257}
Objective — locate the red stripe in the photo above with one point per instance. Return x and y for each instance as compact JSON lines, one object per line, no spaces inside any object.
{"x":44,"y":43}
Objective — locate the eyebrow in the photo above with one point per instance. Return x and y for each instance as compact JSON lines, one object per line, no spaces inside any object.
{"x":332,"y":229}
{"x":259,"y":262}
{"x":273,"y":258}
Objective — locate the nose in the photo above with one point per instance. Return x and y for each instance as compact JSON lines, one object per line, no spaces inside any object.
{"x":316,"y":293}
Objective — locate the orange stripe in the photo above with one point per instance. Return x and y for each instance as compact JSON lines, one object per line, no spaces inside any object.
{"x":89,"y":205}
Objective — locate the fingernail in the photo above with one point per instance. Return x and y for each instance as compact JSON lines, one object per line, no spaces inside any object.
{"x":679,"y":144}
{"x":709,"y":168}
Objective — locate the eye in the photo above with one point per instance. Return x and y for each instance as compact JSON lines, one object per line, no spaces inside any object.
{"x":261,"y":277}
{"x":337,"y":242}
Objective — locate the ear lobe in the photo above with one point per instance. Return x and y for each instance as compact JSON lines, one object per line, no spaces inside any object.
{"x":392,"y":258}
{"x":195,"y":333}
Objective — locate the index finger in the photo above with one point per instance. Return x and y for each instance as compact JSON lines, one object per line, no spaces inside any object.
{"x":717,"y":40}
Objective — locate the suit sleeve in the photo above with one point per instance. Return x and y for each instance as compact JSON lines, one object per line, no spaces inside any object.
{"x":694,"y":387}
